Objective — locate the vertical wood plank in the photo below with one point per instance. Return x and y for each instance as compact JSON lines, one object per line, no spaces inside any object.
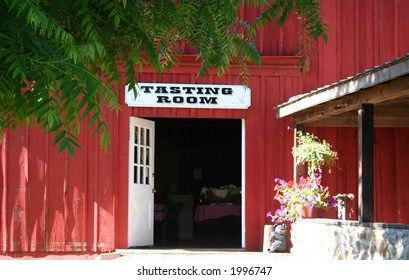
{"x":17,"y":197}
{"x":349,"y":169}
{"x":385,"y":162}
{"x":105,"y":188}
{"x":4,"y":236}
{"x":255,"y":155}
{"x":121,"y":217}
{"x":75,"y":206}
{"x":365,"y":163}
{"x":402,"y":178}
{"x":56,"y":218}
{"x":36,"y":208}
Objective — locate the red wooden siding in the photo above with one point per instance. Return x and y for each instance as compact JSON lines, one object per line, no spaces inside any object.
{"x":402,"y":180}
{"x":53,"y":203}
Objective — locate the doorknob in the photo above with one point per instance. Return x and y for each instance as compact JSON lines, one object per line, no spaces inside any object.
{"x":153,"y":190}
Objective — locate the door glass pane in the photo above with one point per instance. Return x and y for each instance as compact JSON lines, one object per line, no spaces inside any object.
{"x":147,"y":176}
{"x":140,"y":175}
{"x":135,"y":156}
{"x":148,"y":132}
{"x":147,"y":157}
{"x":135,"y":174}
{"x":142,"y":136}
{"x":142,"y":159}
{"x":136,"y":135}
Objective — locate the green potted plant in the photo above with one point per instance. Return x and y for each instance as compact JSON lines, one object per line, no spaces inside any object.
{"x":313,"y":152}
{"x":307,"y":193}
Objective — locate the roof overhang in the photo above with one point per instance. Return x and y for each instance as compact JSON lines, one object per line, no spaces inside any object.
{"x":385,"y":86}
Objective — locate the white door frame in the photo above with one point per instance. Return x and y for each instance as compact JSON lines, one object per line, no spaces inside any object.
{"x":243,"y":183}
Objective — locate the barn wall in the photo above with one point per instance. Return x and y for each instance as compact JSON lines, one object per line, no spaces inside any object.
{"x":365,"y":34}
{"x":53,"y":203}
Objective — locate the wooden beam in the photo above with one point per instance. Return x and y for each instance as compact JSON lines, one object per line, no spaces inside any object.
{"x":348,"y":119}
{"x":386,"y":92}
{"x":366,"y":163}
{"x":387,"y":118}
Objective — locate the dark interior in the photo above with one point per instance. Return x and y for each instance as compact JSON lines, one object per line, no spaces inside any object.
{"x":191,"y":154}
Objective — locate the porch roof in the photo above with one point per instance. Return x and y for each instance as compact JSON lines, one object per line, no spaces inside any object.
{"x":385,"y":86}
{"x":378,"y":97}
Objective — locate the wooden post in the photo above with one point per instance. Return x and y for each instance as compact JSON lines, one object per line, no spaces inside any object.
{"x":366,"y":163}
{"x":299,"y":169}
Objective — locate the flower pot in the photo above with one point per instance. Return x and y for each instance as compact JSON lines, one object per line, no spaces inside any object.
{"x":304,"y":211}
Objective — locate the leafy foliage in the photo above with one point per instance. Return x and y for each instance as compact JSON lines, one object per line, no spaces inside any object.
{"x":313,"y":152}
{"x":58,"y":59}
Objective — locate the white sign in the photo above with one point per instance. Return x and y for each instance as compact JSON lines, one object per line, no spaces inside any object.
{"x":189,"y":96}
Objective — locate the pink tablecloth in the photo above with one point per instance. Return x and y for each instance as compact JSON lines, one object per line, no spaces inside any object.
{"x":209,"y":212}
{"x":160,"y":213}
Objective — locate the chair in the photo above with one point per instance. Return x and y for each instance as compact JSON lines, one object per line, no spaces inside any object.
{"x":171,"y":223}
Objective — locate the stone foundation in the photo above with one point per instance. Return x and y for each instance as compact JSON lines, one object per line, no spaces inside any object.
{"x":327,"y":239}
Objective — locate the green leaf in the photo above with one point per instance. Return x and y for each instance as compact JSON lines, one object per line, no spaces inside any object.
{"x":91,"y":52}
{"x":105,"y":140}
{"x":16,"y":72}
{"x":50,"y":120}
{"x":94,"y":118}
{"x":99,"y":127}
{"x":117,"y":20}
{"x":70,"y":149}
{"x":60,"y":135}
{"x":63,"y":145}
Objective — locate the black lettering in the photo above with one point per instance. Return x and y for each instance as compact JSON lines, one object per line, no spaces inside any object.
{"x":161,"y":90}
{"x":227,"y":91}
{"x":212,"y":90}
{"x":178,"y":99}
{"x":191,"y":99}
{"x":188,"y":89}
{"x":146,"y":89}
{"x":163,"y":99}
{"x":199,"y":90}
{"x":208,"y":100}
{"x":174,"y":89}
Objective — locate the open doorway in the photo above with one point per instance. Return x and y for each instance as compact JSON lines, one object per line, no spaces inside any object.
{"x":198,"y":164}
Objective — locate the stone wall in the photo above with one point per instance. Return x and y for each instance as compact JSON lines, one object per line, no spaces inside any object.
{"x":327,"y":239}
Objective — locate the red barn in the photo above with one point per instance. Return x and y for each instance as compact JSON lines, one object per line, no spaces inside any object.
{"x":191,"y":134}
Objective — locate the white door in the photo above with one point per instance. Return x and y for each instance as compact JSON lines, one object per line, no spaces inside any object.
{"x":141,"y":183}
